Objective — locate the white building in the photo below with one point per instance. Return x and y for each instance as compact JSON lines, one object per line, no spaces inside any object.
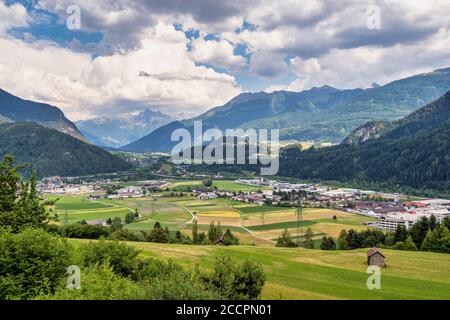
{"x":391,"y":221}
{"x":130,"y":192}
{"x":207,"y":195}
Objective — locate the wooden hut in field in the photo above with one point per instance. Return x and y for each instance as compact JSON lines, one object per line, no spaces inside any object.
{"x":375,"y":258}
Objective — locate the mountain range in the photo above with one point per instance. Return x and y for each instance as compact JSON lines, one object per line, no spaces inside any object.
{"x":385,"y":134}
{"x":15,"y":109}
{"x":319,"y":114}
{"x":412,"y":151}
{"x":118,"y":130}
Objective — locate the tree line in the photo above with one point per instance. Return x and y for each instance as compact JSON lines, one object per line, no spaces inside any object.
{"x":116,"y":231}
{"x":427,"y":234}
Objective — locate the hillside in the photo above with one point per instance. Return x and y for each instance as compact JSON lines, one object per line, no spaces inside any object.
{"x":414,"y":152}
{"x":14,"y":109}
{"x":118,"y":130}
{"x":368,"y":131}
{"x":319,"y":114}
{"x":52,"y":153}
{"x":427,"y":117}
{"x":316,"y":274}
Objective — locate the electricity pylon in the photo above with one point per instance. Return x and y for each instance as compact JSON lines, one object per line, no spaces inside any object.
{"x":299,"y":221}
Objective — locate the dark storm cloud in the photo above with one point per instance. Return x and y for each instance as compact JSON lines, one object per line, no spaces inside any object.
{"x":203,"y":11}
{"x":307,"y":28}
{"x":396,"y":28}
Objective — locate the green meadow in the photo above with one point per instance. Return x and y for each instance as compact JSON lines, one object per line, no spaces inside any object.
{"x":80,"y":208}
{"x":281,"y":225}
{"x":314,"y":274}
{"x":228,"y":185}
{"x":234,"y":186}
{"x":73,"y":203}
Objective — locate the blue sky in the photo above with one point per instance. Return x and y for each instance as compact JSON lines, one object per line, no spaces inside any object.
{"x":199,"y":54}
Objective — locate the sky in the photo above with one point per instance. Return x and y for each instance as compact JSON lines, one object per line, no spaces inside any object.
{"x":106,"y":57}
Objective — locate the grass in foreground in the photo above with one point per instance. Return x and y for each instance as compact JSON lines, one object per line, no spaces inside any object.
{"x":315,"y":274}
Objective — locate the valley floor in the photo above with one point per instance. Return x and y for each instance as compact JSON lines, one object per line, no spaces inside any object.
{"x":253,"y":224}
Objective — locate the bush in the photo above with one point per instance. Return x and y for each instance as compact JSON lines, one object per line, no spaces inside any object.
{"x":434,"y":239}
{"x":158,"y":234}
{"x":285,"y":240}
{"x":342,"y":240}
{"x":230,"y":239}
{"x":122,"y":258}
{"x":99,"y":283}
{"x":444,"y":245}
{"x":235,"y":281}
{"x":119,"y":235}
{"x":32,"y":262}
{"x":328,"y":244}
{"x":351,"y":239}
{"x":130,"y":217}
{"x":249,"y":280}
{"x":407,"y":245}
{"x":207,"y":183}
{"x":308,"y":241}
{"x":85,"y":231}
{"x":136,"y":236}
{"x":179,"y":285}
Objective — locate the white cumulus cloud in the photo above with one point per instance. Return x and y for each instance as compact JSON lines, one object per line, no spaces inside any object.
{"x":219,"y":53}
{"x":84,"y":86}
{"x":12,"y":16}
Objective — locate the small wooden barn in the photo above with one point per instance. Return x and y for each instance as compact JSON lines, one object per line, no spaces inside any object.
{"x":375,"y":258}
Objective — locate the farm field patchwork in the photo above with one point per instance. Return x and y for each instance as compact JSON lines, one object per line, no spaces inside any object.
{"x":321,"y":222}
{"x":80,"y":208}
{"x":75,"y":203}
{"x":264,"y":223}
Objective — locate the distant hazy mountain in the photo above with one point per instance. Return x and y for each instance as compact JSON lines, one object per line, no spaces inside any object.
{"x":119,"y":130}
{"x":157,"y":141}
{"x":14,"y":109}
{"x":413,"y":151}
{"x":52,"y":153}
{"x":319,"y":114}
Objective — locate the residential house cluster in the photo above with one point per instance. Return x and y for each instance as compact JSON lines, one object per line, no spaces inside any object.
{"x":321,"y":196}
{"x":56,"y":185}
{"x":258,"y":197}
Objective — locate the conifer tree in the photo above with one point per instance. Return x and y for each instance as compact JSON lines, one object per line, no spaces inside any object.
{"x":20,"y":204}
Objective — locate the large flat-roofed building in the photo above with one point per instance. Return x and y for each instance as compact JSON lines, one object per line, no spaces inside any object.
{"x":392,"y":215}
{"x":391,"y":221}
